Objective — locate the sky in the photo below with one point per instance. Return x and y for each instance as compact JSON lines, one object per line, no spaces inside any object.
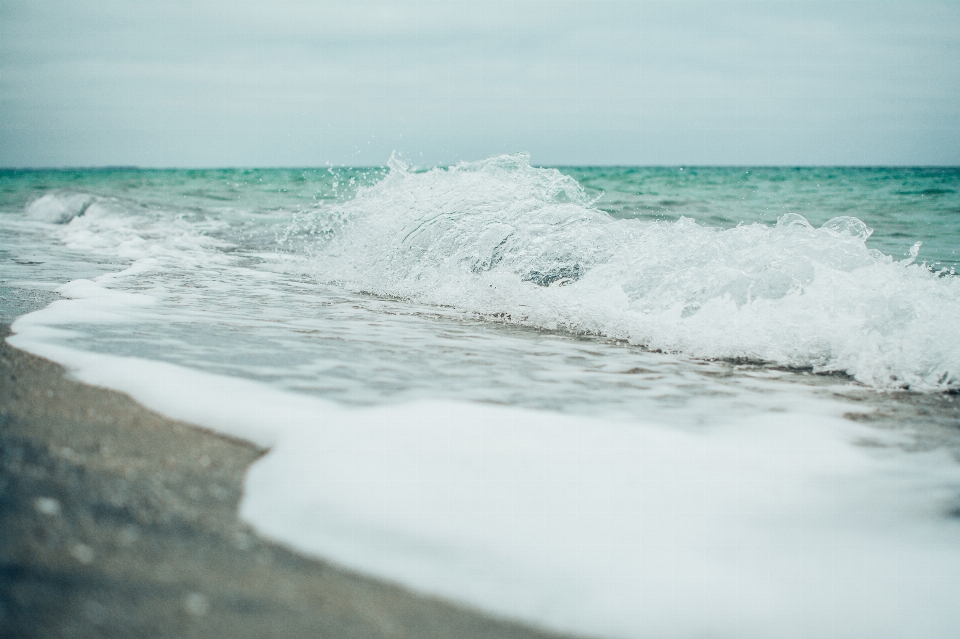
{"x":161,"y":83}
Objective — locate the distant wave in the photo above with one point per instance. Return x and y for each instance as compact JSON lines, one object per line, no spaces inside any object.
{"x":59,"y":207}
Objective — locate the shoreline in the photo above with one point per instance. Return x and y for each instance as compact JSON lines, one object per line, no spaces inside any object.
{"x":117,"y":521}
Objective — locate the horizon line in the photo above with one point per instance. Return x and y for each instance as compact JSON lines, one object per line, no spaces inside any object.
{"x":133,"y":167}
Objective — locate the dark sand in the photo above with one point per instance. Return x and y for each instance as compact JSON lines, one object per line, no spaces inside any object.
{"x":117,"y":522}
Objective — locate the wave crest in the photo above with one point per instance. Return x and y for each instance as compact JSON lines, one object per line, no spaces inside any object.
{"x":59,"y":207}
{"x":503,"y":239}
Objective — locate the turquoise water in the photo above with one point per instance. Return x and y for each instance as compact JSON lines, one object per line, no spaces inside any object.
{"x":901,"y":205}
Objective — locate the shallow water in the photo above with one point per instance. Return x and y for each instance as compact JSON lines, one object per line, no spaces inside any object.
{"x":731,"y":319}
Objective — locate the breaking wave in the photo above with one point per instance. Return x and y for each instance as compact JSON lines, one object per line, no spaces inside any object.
{"x":506,"y":240}
{"x":59,"y":207}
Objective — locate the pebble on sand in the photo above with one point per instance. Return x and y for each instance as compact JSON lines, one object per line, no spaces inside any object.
{"x":47,"y":506}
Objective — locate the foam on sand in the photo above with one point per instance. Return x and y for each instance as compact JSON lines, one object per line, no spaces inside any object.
{"x":772,"y":526}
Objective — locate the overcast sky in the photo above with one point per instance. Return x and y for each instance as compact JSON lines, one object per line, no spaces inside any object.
{"x":288,"y":83}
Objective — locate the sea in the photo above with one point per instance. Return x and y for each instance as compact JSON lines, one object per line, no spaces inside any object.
{"x":606,"y":401}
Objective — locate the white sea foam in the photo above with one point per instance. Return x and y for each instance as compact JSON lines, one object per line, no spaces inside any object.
{"x":771,"y":526}
{"x":521,"y":244}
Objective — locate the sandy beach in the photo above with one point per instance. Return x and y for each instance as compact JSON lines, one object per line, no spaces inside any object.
{"x":117,"y":522}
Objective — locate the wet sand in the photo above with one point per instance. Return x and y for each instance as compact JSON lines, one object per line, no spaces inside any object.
{"x":117,"y":522}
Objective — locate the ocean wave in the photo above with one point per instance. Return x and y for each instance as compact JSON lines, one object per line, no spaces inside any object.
{"x":503,"y":239}
{"x":59,"y":207}
{"x":128,"y":230}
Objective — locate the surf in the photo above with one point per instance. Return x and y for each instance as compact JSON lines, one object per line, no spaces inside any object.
{"x":511,"y":242}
